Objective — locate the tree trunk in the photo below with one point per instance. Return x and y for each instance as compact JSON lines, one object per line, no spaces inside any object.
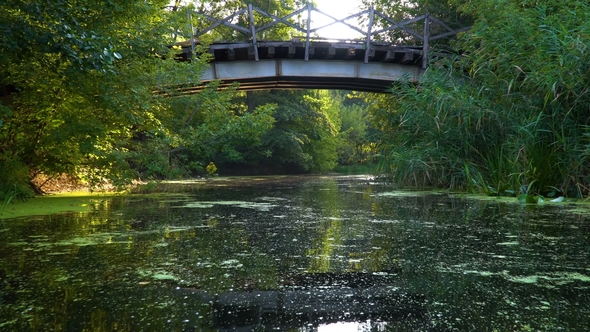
{"x":250,"y":101}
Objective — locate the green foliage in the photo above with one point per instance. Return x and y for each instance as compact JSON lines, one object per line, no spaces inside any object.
{"x":73,"y":109}
{"x":8,"y":197}
{"x":365,"y":168}
{"x":356,"y":141}
{"x":84,"y":103}
{"x":313,"y":131}
{"x":511,"y":111}
{"x":211,"y":168}
{"x":445,"y":11}
{"x":304,"y":136}
{"x":14,"y":180}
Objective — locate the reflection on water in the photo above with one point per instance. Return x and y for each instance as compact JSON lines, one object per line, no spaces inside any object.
{"x":303,"y":254}
{"x":350,"y":327}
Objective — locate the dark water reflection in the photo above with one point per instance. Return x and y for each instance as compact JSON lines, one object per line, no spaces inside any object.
{"x":308,"y":254}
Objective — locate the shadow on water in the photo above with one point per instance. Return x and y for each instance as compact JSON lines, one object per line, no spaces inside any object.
{"x":311,"y":300}
{"x":300,"y":254}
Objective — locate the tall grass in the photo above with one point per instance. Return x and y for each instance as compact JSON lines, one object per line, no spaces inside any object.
{"x":511,"y":112}
{"x":7,"y":197}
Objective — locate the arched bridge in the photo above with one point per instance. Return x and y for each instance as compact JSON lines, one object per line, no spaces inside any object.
{"x":369,"y":64}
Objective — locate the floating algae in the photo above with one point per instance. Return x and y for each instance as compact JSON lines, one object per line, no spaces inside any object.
{"x":156,"y":275}
{"x":407,"y":193}
{"x":260,"y":206}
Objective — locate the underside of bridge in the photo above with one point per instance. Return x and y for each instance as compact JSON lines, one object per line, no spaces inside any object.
{"x":330,"y":65}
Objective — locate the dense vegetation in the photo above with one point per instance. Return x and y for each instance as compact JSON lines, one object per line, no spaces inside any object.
{"x":510,"y":113}
{"x":76,"y":98}
{"x":507,"y":112}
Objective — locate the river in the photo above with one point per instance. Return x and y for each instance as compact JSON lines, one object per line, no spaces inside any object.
{"x":298,"y":254}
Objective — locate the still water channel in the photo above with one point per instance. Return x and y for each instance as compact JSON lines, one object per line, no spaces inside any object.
{"x":298,"y":254}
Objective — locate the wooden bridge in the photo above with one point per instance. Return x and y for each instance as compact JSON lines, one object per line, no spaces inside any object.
{"x":371,"y":63}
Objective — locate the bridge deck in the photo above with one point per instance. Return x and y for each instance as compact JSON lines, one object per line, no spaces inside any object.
{"x":330,"y":65}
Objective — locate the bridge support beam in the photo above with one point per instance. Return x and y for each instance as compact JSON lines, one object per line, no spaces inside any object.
{"x":253,"y":31}
{"x":285,"y":73}
{"x":308,"y":33}
{"x":369,"y":33}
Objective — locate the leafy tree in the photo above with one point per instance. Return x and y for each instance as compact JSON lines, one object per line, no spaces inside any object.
{"x":304,"y":136}
{"x":400,"y":11}
{"x":83,"y":79}
{"x":354,"y":134}
{"x":59,"y":57}
{"x":355,"y":143}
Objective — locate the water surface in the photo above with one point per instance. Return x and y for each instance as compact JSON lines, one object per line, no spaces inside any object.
{"x":299,"y":254}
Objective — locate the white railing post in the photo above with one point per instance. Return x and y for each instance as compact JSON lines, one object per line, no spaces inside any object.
{"x":425,"y":41}
{"x":369,"y":33}
{"x":253,"y":31}
{"x":190,"y":25}
{"x":308,"y":33}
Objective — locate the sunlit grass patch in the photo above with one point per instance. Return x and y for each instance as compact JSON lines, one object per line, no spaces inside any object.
{"x":55,"y":203}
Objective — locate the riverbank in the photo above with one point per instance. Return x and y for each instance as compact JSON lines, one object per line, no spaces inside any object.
{"x":77,"y":201}
{"x":85,"y":200}
{"x":64,"y":199}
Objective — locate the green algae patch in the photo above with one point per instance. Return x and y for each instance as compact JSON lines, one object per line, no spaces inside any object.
{"x":581,"y":208}
{"x":550,"y":279}
{"x":81,"y":201}
{"x":524,"y":279}
{"x":55,"y":203}
{"x":163,"y":276}
{"x":156,"y":275}
{"x":261,"y":206}
{"x":574,"y":205}
{"x":408,"y":193}
{"x":487,"y":198}
{"x":511,"y":243}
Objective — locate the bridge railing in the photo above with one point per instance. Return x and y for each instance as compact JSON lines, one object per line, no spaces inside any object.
{"x":243,"y":21}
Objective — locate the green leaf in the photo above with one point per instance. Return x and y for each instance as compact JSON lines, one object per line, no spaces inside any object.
{"x":527,"y":199}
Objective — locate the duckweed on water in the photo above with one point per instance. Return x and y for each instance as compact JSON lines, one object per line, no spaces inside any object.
{"x":260,"y":206}
{"x":408,"y":193}
{"x":511,"y":243}
{"x":409,"y":262}
{"x":56,"y":203}
{"x":156,"y":275}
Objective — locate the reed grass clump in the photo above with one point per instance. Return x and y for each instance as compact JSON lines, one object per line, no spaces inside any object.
{"x":512,"y":111}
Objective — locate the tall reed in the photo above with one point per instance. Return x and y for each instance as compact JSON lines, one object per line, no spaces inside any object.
{"x":512,"y":111}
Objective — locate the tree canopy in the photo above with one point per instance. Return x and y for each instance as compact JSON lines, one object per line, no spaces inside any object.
{"x":79,"y":84}
{"x":77,"y":97}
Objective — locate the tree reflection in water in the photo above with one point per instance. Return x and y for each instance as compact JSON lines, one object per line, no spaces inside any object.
{"x":300,"y":254}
